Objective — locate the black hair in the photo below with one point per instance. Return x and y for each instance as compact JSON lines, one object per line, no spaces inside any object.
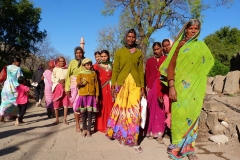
{"x":42,"y":66}
{"x":21,"y":79}
{"x":193,"y":22}
{"x":106,"y":52}
{"x":165,"y":40}
{"x":97,"y":52}
{"x":75,"y":50}
{"x":132,"y":31}
{"x":156,"y":44}
{"x":15,"y":60}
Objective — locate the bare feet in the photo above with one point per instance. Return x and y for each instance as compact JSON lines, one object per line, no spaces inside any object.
{"x":78,"y":129}
{"x":88,"y":134}
{"x":55,"y":123}
{"x":84,"y":133}
{"x":65,"y":122}
{"x":2,"y":119}
{"x":16,"y":123}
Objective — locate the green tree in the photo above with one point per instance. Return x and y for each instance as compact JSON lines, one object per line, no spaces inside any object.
{"x":224,"y":44}
{"x":19,"y":31}
{"x":147,"y":16}
{"x":219,"y":69}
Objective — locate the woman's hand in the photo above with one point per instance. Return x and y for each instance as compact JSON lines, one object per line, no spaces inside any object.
{"x":172,"y":93}
{"x":113,"y":91}
{"x":143,"y":93}
{"x":61,"y":81}
{"x":96,"y":99}
{"x":68,"y":93}
{"x":160,"y":99}
{"x":79,"y":85}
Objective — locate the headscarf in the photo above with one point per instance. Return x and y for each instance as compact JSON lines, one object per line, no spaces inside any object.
{"x":84,"y":70}
{"x":51,"y":64}
{"x":57,"y":65}
{"x":135,"y":45}
{"x":79,"y":61}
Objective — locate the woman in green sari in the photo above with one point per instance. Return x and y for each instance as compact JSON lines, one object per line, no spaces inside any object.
{"x":186,"y":69}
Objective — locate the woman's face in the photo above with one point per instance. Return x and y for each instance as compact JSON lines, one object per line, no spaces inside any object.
{"x":17,"y":64}
{"x":79,"y":54}
{"x":97,"y":58}
{"x":131,"y":39}
{"x":192,"y":30}
{"x":104,"y":57}
{"x":157,"y":50}
{"x":88,"y":66}
{"x":61,"y":62}
{"x":166,"y":47}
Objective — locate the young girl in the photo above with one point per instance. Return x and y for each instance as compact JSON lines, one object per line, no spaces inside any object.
{"x":104,"y":71}
{"x":88,"y":92}
{"x":156,"y":91}
{"x":22,"y":99}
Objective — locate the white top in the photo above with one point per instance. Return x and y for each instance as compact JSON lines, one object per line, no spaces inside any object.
{"x":58,"y":74}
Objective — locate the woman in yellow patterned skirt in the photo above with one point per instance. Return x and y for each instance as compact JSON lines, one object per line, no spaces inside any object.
{"x":127,"y":88}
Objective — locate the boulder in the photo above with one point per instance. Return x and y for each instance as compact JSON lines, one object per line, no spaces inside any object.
{"x":219,"y":139}
{"x":218,"y":83}
{"x":203,"y":117}
{"x":217,"y":129}
{"x":232,"y":83}
{"x":221,"y":115}
{"x":212,"y":119}
{"x":214,"y":106}
{"x":209,"y":89}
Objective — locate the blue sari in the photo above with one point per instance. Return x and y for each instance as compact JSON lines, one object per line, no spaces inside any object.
{"x":9,"y":94}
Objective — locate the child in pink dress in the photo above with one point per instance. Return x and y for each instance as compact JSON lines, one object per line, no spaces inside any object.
{"x":22,"y":99}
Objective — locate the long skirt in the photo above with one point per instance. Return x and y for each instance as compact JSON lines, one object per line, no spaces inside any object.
{"x":86,"y":103}
{"x":157,"y":114}
{"x":105,"y":107}
{"x":74,"y":93}
{"x":124,"y":120}
{"x":60,"y":99}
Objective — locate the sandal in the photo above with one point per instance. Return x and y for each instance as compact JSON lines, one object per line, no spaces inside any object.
{"x":138,"y":149}
{"x":192,"y":156}
{"x":121,"y":142}
{"x":160,"y":140}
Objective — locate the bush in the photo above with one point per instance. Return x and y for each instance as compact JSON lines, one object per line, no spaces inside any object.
{"x":219,"y":69}
{"x":27,"y":73}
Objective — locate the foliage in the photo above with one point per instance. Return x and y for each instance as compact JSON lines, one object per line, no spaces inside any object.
{"x":147,"y":16}
{"x":27,"y":73}
{"x":224,"y":44}
{"x":219,"y":69}
{"x":19,"y":29}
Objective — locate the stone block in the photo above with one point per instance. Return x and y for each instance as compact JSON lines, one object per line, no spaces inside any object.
{"x":212,"y":119}
{"x":221,"y":115}
{"x":214,"y":106}
{"x":217,"y":129}
{"x":203,"y":117}
{"x":218,"y":83}
{"x":219,"y":139}
{"x":232,"y":83}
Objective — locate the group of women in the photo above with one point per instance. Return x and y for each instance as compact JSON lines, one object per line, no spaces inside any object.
{"x":175,"y":76}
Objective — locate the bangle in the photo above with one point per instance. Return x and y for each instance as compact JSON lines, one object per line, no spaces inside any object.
{"x":170,"y":86}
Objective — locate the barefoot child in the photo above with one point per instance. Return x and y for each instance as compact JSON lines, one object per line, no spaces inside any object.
{"x":22,"y":99}
{"x":88,"y":91}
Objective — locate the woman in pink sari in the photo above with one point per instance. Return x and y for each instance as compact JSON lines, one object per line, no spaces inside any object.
{"x":47,"y":74}
{"x":156,"y":91}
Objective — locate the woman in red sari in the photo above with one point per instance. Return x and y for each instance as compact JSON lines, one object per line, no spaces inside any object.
{"x":104,"y":71}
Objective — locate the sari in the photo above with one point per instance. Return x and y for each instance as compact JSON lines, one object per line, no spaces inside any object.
{"x":9,"y":94}
{"x":193,"y":64}
{"x":48,"y":89}
{"x":105,"y":99}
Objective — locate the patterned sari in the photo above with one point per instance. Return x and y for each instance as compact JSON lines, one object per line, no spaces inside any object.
{"x":48,"y":89}
{"x":8,"y":106}
{"x":193,"y":64}
{"x":124,"y":120}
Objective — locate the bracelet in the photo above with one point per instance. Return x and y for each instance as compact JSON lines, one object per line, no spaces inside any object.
{"x":170,"y":86}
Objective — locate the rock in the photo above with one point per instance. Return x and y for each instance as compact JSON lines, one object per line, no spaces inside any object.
{"x":221,"y":115}
{"x":225,"y":124}
{"x":214,"y":106}
{"x":232,"y":83}
{"x":218,"y":129}
{"x":209,"y":89}
{"x":203,"y":117}
{"x":218,"y":83}
{"x":212,"y":119}
{"x":219,"y":139}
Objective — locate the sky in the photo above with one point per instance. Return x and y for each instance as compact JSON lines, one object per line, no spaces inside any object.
{"x":67,"y":21}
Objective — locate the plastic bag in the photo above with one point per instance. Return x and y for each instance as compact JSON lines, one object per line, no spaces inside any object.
{"x":143,"y":104}
{"x":3,"y":74}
